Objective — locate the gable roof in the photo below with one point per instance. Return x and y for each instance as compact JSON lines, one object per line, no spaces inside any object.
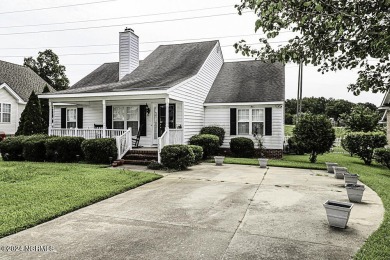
{"x":22,"y":80}
{"x":165,"y":67}
{"x":104,"y":74}
{"x":248,"y":81}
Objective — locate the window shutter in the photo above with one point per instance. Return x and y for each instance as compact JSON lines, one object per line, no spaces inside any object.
{"x":233,"y":121}
{"x":79,"y":117}
{"x":63,"y":117}
{"x":142,"y":119}
{"x":268,"y":121}
{"x":109,"y":117}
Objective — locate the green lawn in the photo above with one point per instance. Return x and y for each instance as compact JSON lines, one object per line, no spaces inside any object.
{"x":340,"y":131}
{"x":376,"y":176}
{"x":32,"y":193}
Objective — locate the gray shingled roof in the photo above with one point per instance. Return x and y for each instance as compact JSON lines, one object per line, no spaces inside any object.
{"x":248,"y":81}
{"x":165,"y":67}
{"x":105,"y":74}
{"x":21,"y":79}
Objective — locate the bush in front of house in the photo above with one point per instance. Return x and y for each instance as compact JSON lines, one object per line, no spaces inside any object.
{"x":295,"y":147}
{"x":34,"y":149}
{"x":64,"y":149}
{"x":214,"y":130}
{"x":12,"y":148}
{"x":242,"y":147}
{"x":153,"y":165}
{"x":99,"y":150}
{"x":382,"y":156}
{"x":209,"y":143}
{"x":178,"y":157}
{"x":198,"y":152}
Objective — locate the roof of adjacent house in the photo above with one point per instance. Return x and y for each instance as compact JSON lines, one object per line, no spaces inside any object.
{"x":165,"y":67}
{"x":22,"y":80}
{"x":248,"y":81}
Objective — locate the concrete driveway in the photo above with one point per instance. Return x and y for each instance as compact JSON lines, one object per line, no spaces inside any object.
{"x":209,"y":212}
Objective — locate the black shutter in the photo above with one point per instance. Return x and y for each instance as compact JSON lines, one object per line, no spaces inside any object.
{"x":268,"y":121}
{"x":233,"y":121}
{"x":109,"y":117}
{"x":142,"y":119}
{"x":79,"y":117}
{"x":63,"y":117}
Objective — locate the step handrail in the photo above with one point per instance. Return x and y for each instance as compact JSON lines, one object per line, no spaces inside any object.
{"x":124,"y":143}
{"x":162,"y":141}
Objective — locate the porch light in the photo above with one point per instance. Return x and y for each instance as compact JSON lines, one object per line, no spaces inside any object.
{"x":147,"y":109}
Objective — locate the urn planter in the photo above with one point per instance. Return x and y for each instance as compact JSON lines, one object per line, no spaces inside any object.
{"x":338,"y":213}
{"x":219,"y":160}
{"x":339,"y":172}
{"x":329,"y":166}
{"x":355,"y":192}
{"x":351,"y":178}
{"x":263,"y":162}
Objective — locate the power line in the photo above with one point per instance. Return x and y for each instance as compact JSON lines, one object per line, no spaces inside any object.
{"x":56,"y":7}
{"x":115,"y":18}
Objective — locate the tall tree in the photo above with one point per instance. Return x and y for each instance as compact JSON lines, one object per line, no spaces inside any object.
{"x":332,"y":34}
{"x":31,"y":121}
{"x":361,"y":119}
{"x":48,"y":67}
{"x":45,"y":109}
{"x":338,"y":107}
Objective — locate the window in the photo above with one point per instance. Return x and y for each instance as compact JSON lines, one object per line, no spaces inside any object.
{"x":71,"y":117}
{"x":125,"y":117}
{"x":132,"y":118}
{"x":258,"y":121}
{"x":118,"y":117}
{"x":5,"y":113}
{"x":250,"y":121}
{"x":243,"y":121}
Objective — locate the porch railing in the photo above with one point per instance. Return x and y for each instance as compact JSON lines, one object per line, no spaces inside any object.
{"x":175,"y":136}
{"x":87,"y":133}
{"x":162,"y":141}
{"x":124,"y":143}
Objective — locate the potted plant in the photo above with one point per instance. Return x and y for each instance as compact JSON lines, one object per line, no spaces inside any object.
{"x":329,"y":166}
{"x":355,"y":192}
{"x":339,"y":172}
{"x":219,"y":160}
{"x":259,"y":139}
{"x":338,"y":213}
{"x":350,"y":178}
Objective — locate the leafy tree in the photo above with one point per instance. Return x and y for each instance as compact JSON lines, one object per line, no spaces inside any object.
{"x":315,"y":135}
{"x":31,"y":121}
{"x":291,"y":106}
{"x":333,"y":34}
{"x":48,"y":67}
{"x":45,"y":109}
{"x":338,"y":107}
{"x":369,"y":105}
{"x":361,"y":119}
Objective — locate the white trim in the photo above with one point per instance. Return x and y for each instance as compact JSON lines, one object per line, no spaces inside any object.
{"x":63,"y":104}
{"x":13,"y":93}
{"x":104,"y":94}
{"x":243,"y":104}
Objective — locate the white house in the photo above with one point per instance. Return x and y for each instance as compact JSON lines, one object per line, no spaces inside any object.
{"x":16,"y":84}
{"x":182,"y":86}
{"x":385,"y":105}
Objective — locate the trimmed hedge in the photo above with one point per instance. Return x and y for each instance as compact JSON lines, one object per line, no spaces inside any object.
{"x":153,"y":165}
{"x":214,"y":130}
{"x":242,"y":147}
{"x":198,"y":152}
{"x":178,"y":157}
{"x":64,"y":149}
{"x":34,"y":149}
{"x":382,"y":156}
{"x":209,"y":143}
{"x":12,"y":148}
{"x":99,"y":150}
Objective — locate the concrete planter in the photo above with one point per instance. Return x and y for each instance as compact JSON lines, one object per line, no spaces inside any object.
{"x":339,"y":172}
{"x":338,"y":213}
{"x":355,"y":192}
{"x":263,"y":162}
{"x":219,"y":160}
{"x":351,"y":178}
{"x":329,"y":166}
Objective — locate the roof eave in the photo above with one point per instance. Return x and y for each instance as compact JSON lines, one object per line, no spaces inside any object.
{"x":104,"y":94}
{"x":13,"y":93}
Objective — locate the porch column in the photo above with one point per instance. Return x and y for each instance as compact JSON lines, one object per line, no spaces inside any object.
{"x":50,"y":117}
{"x":167,"y":117}
{"x":104,"y":118}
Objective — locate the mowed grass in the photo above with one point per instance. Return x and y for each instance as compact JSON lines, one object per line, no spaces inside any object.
{"x":339,"y":131}
{"x":375,"y":176}
{"x":32,"y":193}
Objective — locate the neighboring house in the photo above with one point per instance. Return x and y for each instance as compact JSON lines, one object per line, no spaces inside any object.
{"x":385,"y":105}
{"x":16,"y":84}
{"x":183,"y":86}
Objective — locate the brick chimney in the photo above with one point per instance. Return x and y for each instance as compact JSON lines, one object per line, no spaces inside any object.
{"x":128,"y":52}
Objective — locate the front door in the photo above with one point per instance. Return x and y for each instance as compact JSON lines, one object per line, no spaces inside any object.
{"x":162,"y":117}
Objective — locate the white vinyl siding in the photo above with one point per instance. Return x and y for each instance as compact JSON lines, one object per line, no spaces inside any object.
{"x":14,"y":116}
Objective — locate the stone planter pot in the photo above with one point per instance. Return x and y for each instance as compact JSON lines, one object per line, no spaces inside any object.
{"x":355,"y":192}
{"x":329,"y":166}
{"x":219,"y":160}
{"x":351,"y":178}
{"x":263,"y":162}
{"x":338,"y":213}
{"x":339,"y":172}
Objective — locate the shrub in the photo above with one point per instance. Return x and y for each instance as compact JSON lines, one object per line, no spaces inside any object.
{"x":153,"y":165}
{"x":34,"y":149}
{"x":363,"y":144}
{"x":99,"y":150}
{"x":314,"y":134}
{"x":361,"y":119}
{"x":12,"y":148}
{"x":295,"y":147}
{"x":242,"y":147}
{"x":198,"y":152}
{"x":209,"y":143}
{"x":178,"y":157}
{"x":64,"y":149}
{"x":382,"y":156}
{"x":214,"y":130}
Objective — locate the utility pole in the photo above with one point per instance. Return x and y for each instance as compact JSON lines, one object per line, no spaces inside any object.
{"x":299,"y":94}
